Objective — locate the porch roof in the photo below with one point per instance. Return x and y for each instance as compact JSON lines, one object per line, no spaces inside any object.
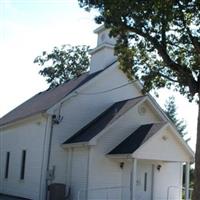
{"x":103,"y":120}
{"x":137,"y":138}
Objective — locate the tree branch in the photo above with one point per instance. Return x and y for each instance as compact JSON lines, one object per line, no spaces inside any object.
{"x":179,"y":69}
{"x":163,"y":75}
{"x":163,"y":31}
{"x":193,"y":39}
{"x":167,"y":77}
{"x":184,"y":75}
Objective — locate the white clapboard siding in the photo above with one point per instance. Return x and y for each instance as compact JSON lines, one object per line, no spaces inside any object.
{"x":27,"y":136}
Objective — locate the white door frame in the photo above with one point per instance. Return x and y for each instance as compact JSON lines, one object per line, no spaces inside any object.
{"x":133,"y":179}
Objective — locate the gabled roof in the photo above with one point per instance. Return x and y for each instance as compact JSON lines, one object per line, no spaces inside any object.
{"x":45,"y":100}
{"x":137,"y":138}
{"x":103,"y":120}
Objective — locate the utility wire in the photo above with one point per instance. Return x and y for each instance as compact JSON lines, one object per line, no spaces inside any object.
{"x":109,"y":90}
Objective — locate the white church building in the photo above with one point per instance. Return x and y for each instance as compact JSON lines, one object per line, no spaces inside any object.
{"x":98,"y":135}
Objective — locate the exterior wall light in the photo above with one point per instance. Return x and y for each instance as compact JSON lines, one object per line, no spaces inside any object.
{"x":159,"y":167}
{"x":121,"y":165}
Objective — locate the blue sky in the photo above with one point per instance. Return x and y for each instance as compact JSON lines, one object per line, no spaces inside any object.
{"x":27,"y":27}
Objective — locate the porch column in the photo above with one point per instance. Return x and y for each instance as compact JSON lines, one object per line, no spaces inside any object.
{"x":134,"y":179}
{"x":187,"y":180}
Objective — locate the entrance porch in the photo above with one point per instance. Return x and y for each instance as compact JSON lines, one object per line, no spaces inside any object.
{"x":156,"y":163}
{"x":143,"y":180}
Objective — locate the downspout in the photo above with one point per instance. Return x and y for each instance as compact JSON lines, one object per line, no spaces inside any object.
{"x":52,"y":122}
{"x":42,"y":187}
{"x":48,"y":156}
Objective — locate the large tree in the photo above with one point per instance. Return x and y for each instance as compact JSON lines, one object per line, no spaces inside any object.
{"x":158,"y":42}
{"x":63,"y":63}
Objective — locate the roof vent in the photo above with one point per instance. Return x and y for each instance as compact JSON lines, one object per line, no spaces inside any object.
{"x":141,"y":110}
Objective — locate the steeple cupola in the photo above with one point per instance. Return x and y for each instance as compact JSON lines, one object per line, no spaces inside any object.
{"x":103,"y":54}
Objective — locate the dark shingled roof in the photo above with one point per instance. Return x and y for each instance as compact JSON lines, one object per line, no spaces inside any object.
{"x":137,"y":138}
{"x":103,"y":120}
{"x":45,"y":100}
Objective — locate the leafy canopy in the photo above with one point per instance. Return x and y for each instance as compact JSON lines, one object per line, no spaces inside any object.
{"x":158,"y":41}
{"x":63,"y":64}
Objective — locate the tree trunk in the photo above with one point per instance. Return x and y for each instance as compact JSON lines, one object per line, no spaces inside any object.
{"x":196,"y":192}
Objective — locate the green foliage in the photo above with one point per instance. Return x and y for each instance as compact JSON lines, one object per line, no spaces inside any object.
{"x":63,"y":64}
{"x":170,"y":111}
{"x":158,"y":41}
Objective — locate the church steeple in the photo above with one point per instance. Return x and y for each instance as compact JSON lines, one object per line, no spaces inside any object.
{"x":103,"y":36}
{"x":103,"y":54}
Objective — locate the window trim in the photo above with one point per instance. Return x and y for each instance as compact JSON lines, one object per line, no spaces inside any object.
{"x":6,"y":173}
{"x":145,"y":181}
{"x":23,"y":165}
